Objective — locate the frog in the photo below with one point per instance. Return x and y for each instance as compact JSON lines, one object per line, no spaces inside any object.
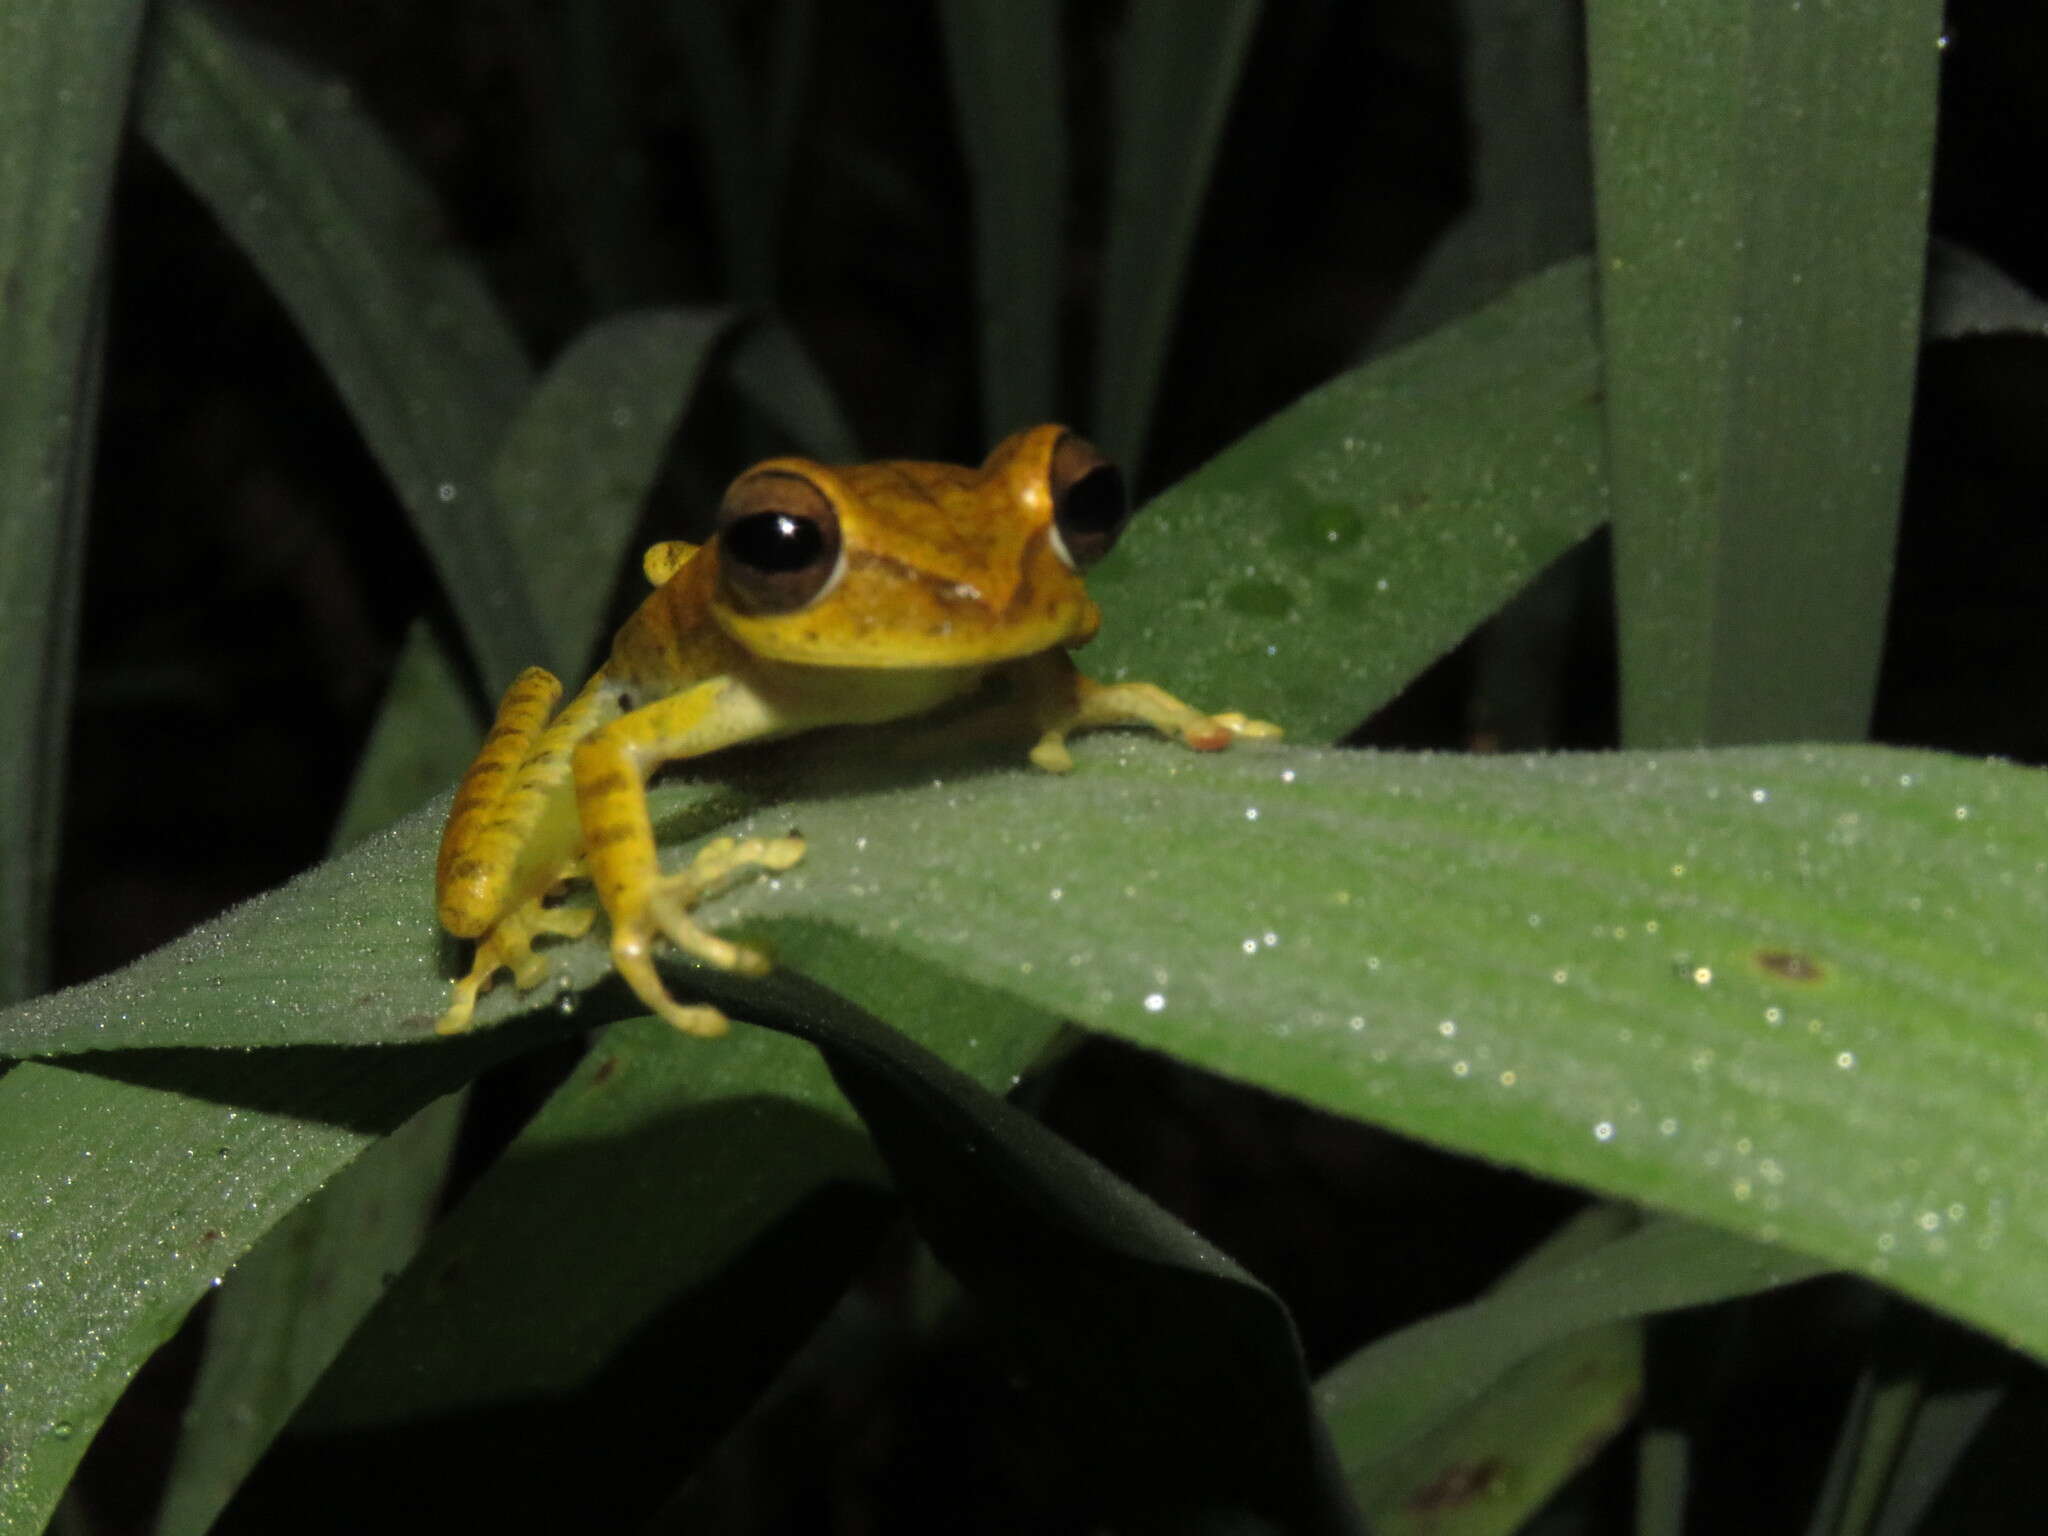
{"x":825,"y":596}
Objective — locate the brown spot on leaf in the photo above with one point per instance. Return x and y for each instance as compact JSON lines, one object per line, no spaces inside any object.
{"x":1458,"y":1484}
{"x":1790,"y":965}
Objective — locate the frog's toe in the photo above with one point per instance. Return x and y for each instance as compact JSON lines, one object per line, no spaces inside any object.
{"x":1242,"y":725}
{"x":727,"y":858}
{"x":670,"y":912}
{"x":747,"y":960}
{"x":1213,"y":733}
{"x":778,"y":853}
{"x":461,"y":1010}
{"x":1050,"y":755}
{"x":509,"y":947}
{"x":632,"y":956}
{"x":564,"y":922}
{"x":699,"y":1019}
{"x":717,"y":864}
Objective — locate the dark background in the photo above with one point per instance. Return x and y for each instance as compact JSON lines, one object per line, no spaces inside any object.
{"x":250,"y":577}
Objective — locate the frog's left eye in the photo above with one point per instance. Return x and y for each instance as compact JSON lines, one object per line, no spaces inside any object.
{"x":778,"y":542}
{"x":1089,"y":508}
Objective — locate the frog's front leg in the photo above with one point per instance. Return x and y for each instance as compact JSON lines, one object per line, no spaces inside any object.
{"x":612,"y":768}
{"x":1062,"y":700}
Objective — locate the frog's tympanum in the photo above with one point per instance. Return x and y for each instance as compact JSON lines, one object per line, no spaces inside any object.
{"x":842,"y":595}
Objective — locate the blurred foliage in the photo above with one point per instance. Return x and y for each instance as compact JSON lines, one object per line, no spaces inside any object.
{"x":332,"y":504}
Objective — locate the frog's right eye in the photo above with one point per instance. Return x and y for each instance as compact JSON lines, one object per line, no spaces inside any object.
{"x":1089,"y":508}
{"x":778,"y":543}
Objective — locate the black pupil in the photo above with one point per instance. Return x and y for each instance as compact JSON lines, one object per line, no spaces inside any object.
{"x":775,"y":541}
{"x":1095,"y":502}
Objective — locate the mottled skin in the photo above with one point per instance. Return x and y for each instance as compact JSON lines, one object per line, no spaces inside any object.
{"x":940,"y":578}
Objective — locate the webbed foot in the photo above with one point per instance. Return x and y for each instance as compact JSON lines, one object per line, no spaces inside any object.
{"x":508,"y":946}
{"x":666,"y":912}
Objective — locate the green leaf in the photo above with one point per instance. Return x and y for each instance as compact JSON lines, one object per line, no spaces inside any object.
{"x":759,"y":1129}
{"x":1532,"y":197}
{"x":1762,"y":174}
{"x":1449,"y":443}
{"x":1421,"y":1383}
{"x":1310,"y":571}
{"x":682,"y":1215}
{"x":778,"y":378}
{"x":130,"y":1185}
{"x":63,"y":95}
{"x":299,"y":1294}
{"x":1970,"y":295}
{"x":1944,"y":1427}
{"x":770,"y":1106}
{"x":580,"y":457}
{"x":1490,"y":1466}
{"x":1920,"y":1401}
{"x":586,"y":445}
{"x":278,"y":1332}
{"x":356,"y":249}
{"x":288,"y":1305}
{"x":674,"y":1201}
{"x":1171,"y":1370}
{"x":1544,"y":1420}
{"x":1790,"y":992}
{"x":1794,"y":993}
{"x":1663,"y":1481}
{"x":1016,"y":146}
{"x":1864,"y":1454}
{"x":1177,"y":70}
{"x":424,"y":737}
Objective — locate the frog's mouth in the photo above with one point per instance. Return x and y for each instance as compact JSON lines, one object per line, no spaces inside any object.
{"x":941,"y":634}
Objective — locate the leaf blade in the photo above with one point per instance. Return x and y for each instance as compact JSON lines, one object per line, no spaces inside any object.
{"x":1531,"y":203}
{"x":1312,"y":569}
{"x":1016,"y":146}
{"x":1403,"y":1388}
{"x":1804,"y":960}
{"x":1761,"y":175}
{"x":692,"y":1216}
{"x":62,"y":102}
{"x":1177,"y":72}
{"x":137,"y":1183}
{"x":581,"y":454}
{"x":288,"y":1305}
{"x":350,"y":242}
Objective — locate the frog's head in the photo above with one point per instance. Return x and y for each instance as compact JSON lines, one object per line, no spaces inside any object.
{"x":907,"y":564}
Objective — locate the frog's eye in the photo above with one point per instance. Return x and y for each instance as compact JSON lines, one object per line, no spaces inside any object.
{"x":1088,"y":504}
{"x":778,"y":543}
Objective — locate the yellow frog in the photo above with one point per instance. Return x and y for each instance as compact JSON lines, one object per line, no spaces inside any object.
{"x":828,"y":595}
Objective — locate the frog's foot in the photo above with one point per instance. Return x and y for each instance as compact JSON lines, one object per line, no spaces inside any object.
{"x":508,"y":946}
{"x":667,"y":913}
{"x":1101,"y":704}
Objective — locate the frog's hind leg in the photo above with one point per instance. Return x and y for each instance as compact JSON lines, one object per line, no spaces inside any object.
{"x":480,"y":844}
{"x":511,"y":832}
{"x":511,"y":837}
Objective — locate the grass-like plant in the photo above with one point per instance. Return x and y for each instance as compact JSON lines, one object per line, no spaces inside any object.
{"x":1775,"y":996}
